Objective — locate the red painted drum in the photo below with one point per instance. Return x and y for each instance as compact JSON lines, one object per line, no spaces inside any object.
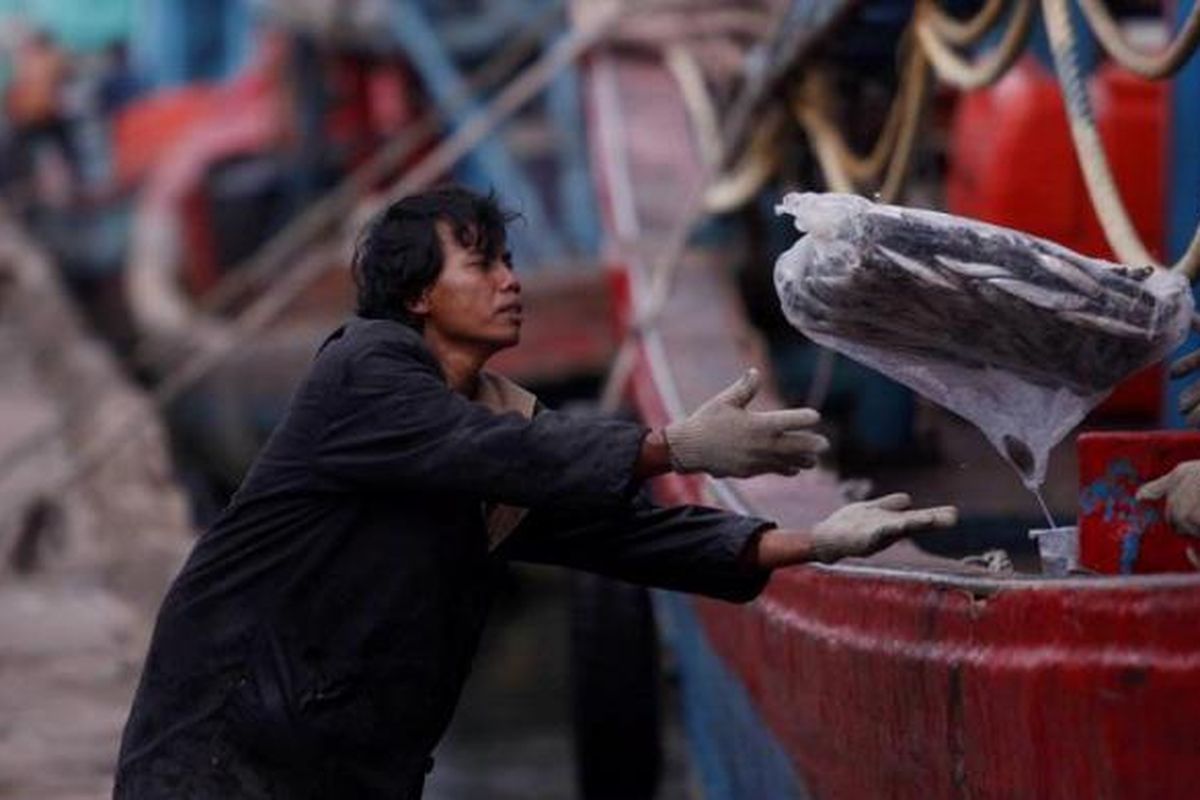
{"x":1118,"y":534}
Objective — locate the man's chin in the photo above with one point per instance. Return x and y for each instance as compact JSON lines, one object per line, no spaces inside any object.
{"x":505,"y":342}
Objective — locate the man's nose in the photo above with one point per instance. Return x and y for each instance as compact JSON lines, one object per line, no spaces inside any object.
{"x":509,"y":281}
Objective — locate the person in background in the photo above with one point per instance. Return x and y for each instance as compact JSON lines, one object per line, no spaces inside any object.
{"x":119,"y":84}
{"x":315,"y":643}
{"x":34,"y":100}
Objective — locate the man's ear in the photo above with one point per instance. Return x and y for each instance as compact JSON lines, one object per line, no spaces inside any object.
{"x":420,"y":306}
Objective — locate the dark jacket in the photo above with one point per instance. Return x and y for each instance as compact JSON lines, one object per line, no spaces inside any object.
{"x":317,"y":638}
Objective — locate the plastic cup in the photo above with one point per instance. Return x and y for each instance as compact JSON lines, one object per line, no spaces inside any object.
{"x":1058,"y":548}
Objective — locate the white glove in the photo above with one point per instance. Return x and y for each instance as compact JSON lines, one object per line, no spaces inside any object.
{"x":1181,"y":487}
{"x":723,"y":439}
{"x":860,"y":529}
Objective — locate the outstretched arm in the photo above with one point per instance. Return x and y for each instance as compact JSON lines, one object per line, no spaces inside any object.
{"x":858,"y":529}
{"x":708,"y":551}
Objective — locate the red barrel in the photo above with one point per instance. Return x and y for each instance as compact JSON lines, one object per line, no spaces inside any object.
{"x":1118,"y":534}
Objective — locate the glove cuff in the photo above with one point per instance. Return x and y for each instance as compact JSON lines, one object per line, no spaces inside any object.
{"x":684,"y":447}
{"x":826,"y":548}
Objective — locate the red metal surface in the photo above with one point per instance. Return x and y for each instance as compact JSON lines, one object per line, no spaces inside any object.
{"x":146,"y":129}
{"x":905,"y":688}
{"x":1012,"y":163}
{"x":1117,"y":534}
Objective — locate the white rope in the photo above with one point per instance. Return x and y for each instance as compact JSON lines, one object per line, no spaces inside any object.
{"x":985,"y":70}
{"x":842,"y":169}
{"x":696,"y":100}
{"x":815,"y":95}
{"x":1148,"y":65}
{"x":1114,"y":219}
{"x":963,"y":33}
{"x":739,"y":184}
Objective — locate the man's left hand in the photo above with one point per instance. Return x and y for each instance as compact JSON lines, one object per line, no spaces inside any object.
{"x":857,"y":529}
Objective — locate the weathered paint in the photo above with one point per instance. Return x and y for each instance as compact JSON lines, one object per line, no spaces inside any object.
{"x":1109,"y":502}
{"x":1117,"y":533}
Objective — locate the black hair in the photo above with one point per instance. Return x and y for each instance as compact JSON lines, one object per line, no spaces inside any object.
{"x":399,"y":254}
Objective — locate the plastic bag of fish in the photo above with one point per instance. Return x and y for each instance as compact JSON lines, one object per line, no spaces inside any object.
{"x":1020,"y":336}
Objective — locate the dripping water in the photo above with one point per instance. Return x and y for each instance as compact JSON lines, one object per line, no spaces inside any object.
{"x":1037,"y":492}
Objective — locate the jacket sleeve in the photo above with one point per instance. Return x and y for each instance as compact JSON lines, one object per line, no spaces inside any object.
{"x":684,"y":548}
{"x":390,"y":420}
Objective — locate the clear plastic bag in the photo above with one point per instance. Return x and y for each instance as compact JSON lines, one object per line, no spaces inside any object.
{"x":1020,"y":336}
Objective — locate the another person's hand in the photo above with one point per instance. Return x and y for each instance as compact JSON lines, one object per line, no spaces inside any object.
{"x":1189,"y":398}
{"x":726,"y":440}
{"x":858,"y":529}
{"x":1181,"y":488}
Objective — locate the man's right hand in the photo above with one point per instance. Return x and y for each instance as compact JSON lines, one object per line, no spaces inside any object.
{"x":726,"y":440}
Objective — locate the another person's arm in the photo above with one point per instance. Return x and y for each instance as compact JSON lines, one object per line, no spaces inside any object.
{"x":1181,"y":486}
{"x":1181,"y":489}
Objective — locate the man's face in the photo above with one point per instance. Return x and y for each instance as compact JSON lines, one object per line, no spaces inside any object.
{"x":474,"y":302}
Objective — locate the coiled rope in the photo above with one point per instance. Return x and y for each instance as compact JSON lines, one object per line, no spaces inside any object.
{"x":1148,"y":65}
{"x":845,"y":171}
{"x":963,"y":33}
{"x":984,"y":70}
{"x":1102,"y":189}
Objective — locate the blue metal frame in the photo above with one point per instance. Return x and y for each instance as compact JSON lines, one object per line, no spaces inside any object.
{"x":180,"y":41}
{"x":731,"y":747}
{"x":414,"y":31}
{"x":1183,"y":186}
{"x":576,"y":193}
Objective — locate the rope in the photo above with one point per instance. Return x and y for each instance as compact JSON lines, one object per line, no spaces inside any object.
{"x":1102,"y":189}
{"x":827,"y":143}
{"x":696,"y":100}
{"x":743,"y":181}
{"x":852,"y":168}
{"x":917,"y":82}
{"x":1148,"y":65}
{"x":842,"y":169}
{"x":963,"y":33}
{"x":984,"y":70}
{"x":797,"y":41}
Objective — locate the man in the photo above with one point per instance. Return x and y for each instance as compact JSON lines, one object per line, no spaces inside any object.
{"x":316,"y":640}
